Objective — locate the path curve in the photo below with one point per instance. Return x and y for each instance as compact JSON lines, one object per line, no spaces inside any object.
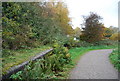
{"x":94,"y":65}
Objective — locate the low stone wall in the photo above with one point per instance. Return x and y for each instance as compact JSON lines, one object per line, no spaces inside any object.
{"x":19,"y":67}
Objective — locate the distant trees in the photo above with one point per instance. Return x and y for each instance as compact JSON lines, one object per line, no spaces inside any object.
{"x":31,"y":24}
{"x":63,"y":19}
{"x":94,"y":29}
{"x":115,"y":33}
{"x":114,"y":29}
{"x":111,"y":31}
{"x":115,"y":36}
{"x":77,"y":31}
{"x":107,"y":32}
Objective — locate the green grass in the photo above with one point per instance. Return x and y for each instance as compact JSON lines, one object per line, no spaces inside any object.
{"x":115,"y":59}
{"x":77,"y":52}
{"x":20,"y":56}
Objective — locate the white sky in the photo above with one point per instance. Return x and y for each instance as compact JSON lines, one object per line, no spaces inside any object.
{"x":107,"y":9}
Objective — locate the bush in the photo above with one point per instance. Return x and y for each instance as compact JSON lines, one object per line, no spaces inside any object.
{"x":34,"y":70}
{"x":82,"y":44}
{"x":59,"y":50}
{"x":106,"y":42}
{"x":47,"y":68}
{"x":102,"y":42}
{"x":30,"y":23}
{"x":115,"y":36}
{"x":115,"y":59}
{"x":70,"y":42}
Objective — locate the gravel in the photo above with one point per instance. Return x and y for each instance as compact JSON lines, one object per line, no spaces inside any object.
{"x":94,"y":65}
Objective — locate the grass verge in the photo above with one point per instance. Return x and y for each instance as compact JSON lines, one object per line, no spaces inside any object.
{"x":77,"y":52}
{"x":114,"y":58}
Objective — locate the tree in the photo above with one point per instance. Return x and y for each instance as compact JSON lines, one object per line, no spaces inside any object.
{"x":93,"y":30}
{"x":107,"y":32}
{"x":31,"y":24}
{"x":62,"y":17}
{"x":114,"y":29}
{"x":115,"y":36}
{"x":77,"y":32}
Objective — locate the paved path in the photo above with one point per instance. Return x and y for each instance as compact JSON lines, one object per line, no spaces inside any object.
{"x":94,"y":65}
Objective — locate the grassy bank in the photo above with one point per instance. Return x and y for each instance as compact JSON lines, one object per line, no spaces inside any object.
{"x":114,"y":58}
{"x":20,"y":56}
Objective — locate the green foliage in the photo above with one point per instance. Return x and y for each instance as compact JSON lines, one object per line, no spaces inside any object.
{"x":11,"y":58}
{"x":41,"y":69}
{"x":17,"y":75}
{"x":70,"y":43}
{"x":47,"y":68}
{"x":59,"y":50}
{"x":106,"y":42}
{"x":84,"y":44}
{"x":32,"y":24}
{"x":37,"y":70}
{"x":6,"y":52}
{"x":53,"y":66}
{"x":114,"y":57}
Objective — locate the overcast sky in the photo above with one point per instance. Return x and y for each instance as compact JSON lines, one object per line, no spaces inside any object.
{"x":107,"y":9}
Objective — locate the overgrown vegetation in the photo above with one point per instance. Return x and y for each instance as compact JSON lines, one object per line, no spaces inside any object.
{"x":33,"y":24}
{"x":19,"y":56}
{"x":51,"y":67}
{"x":57,"y":64}
{"x":29,"y":28}
{"x":115,"y":58}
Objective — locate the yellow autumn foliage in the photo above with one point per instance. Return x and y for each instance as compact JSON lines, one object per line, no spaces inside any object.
{"x":115,"y":36}
{"x":68,"y":55}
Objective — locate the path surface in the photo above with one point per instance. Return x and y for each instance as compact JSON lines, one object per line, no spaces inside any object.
{"x":94,"y":65}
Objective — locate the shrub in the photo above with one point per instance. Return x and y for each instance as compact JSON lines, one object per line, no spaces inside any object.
{"x":60,"y":50}
{"x":34,"y":70}
{"x":70,"y":42}
{"x":47,"y":68}
{"x":83,"y":44}
{"x":106,"y":42}
{"x":115,"y":59}
{"x":115,"y":36}
{"x":102,"y":42}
